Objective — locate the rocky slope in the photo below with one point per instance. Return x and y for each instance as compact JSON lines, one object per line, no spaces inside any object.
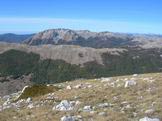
{"x":54,"y":36}
{"x":123,"y":98}
{"x":10,"y":84}
{"x":94,"y":39}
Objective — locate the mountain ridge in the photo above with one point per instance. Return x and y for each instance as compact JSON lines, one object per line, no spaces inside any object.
{"x":87,"y":38}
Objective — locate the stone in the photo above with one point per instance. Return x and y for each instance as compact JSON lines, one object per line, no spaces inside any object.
{"x":6,"y":97}
{"x":130,"y":83}
{"x":134,"y":114}
{"x":126,"y":79}
{"x":124,"y":103}
{"x":30,"y":106}
{"x":103,"y":105}
{"x":102,"y":114}
{"x":20,"y":101}
{"x":135,"y":75}
{"x":151,"y":81}
{"x":64,"y":106}
{"x":89,"y":86}
{"x":128,"y":106}
{"x":161,"y":55}
{"x":149,"y":112}
{"x":50,"y":96}
{"x":72,"y":103}
{"x":103,"y":80}
{"x":29,"y":100}
{"x":68,"y":118}
{"x":79,"y":117}
{"x":7,"y":102}
{"x":69,"y":87}
{"x":14,"y":117}
{"x":115,"y":98}
{"x":78,"y":86}
{"x":149,"y":119}
{"x":6,"y":107}
{"x":87,"y":108}
{"x":77,"y":102}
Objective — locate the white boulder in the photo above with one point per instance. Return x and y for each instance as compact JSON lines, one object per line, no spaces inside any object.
{"x":71,"y":118}
{"x":149,"y":112}
{"x":104,"y":80}
{"x":69,"y":87}
{"x":102,"y":114}
{"x":79,"y":86}
{"x":68,"y":118}
{"x":87,"y":108}
{"x":51,"y":96}
{"x":130,"y":83}
{"x":149,"y":119}
{"x":30,"y":106}
{"x":29,"y":100}
{"x":103,"y":105}
{"x":6,"y":97}
{"x":135,"y":75}
{"x":64,"y":106}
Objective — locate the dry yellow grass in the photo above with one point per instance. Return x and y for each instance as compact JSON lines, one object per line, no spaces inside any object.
{"x":140,"y":97}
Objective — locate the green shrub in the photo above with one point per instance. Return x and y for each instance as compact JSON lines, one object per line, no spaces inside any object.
{"x":37,"y":90}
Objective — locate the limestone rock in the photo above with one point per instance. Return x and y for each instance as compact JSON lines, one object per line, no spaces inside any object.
{"x":29,"y":100}
{"x":87,"y":108}
{"x":68,"y":118}
{"x":149,"y":112}
{"x":30,"y":106}
{"x":149,"y":119}
{"x":69,"y":87}
{"x":130,"y":83}
{"x":64,"y":106}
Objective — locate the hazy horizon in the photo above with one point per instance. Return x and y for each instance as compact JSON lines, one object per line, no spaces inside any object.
{"x":29,"y":32}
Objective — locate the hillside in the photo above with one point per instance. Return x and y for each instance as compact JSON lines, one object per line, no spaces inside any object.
{"x":69,"y":53}
{"x":123,"y":98}
{"x":21,"y":65}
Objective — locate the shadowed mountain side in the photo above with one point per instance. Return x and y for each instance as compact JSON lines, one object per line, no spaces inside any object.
{"x":14,"y":38}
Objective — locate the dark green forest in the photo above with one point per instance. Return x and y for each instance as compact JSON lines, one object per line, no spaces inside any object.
{"x":17,"y":63}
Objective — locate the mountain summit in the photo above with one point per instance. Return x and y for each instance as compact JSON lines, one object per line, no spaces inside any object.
{"x":53,"y":36}
{"x":87,"y":38}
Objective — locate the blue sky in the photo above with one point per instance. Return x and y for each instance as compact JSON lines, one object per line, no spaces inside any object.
{"x":132,"y":16}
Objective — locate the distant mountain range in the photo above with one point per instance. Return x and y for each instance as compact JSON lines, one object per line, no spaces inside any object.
{"x":86,"y":38}
{"x":14,"y":38}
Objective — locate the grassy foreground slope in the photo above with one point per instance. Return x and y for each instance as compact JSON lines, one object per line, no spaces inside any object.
{"x":124,"y":104}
